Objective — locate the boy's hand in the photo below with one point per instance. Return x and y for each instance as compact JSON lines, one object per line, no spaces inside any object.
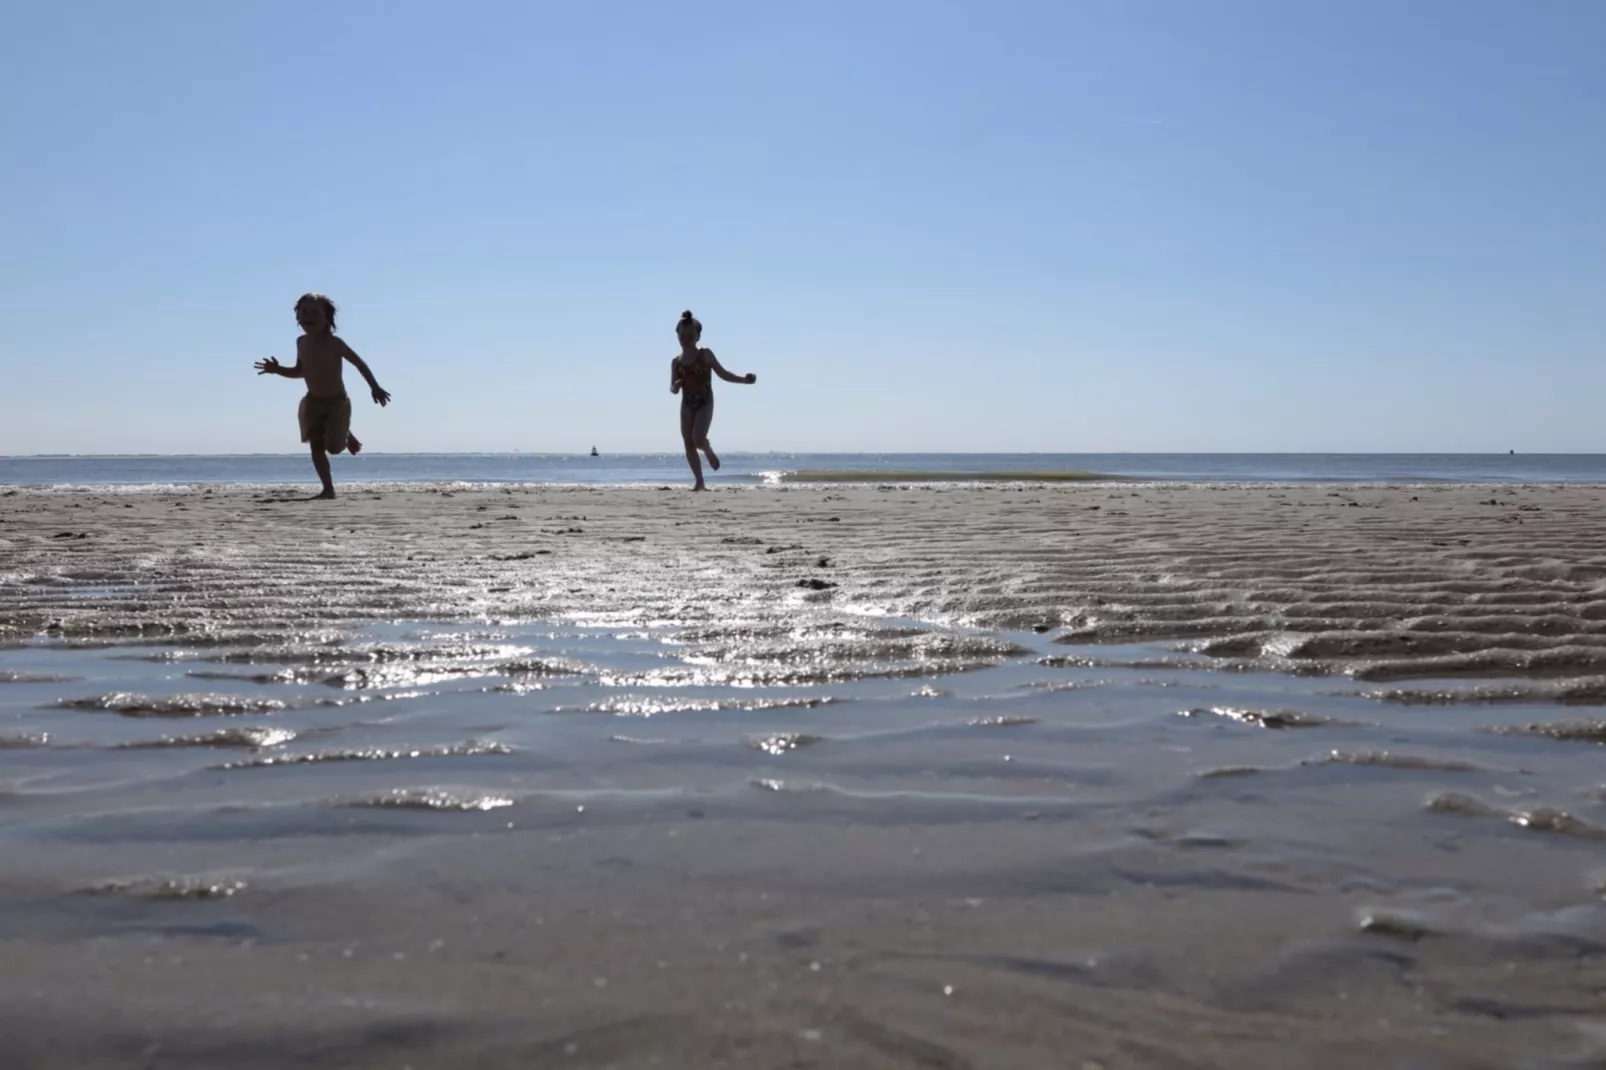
{"x":381,"y":396}
{"x":267,"y":367}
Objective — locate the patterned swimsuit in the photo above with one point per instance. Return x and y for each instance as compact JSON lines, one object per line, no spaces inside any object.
{"x":697,"y":381}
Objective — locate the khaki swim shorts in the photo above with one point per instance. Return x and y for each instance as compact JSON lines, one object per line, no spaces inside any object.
{"x":328,"y":420}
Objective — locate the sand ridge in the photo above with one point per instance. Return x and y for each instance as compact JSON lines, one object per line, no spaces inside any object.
{"x":1385,"y":583}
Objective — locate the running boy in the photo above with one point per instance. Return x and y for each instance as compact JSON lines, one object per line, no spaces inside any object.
{"x":325,"y":412}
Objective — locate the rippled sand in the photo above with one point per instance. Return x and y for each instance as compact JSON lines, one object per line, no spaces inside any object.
{"x":933,"y":776}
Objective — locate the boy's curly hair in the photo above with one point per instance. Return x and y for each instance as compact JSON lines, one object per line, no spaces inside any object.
{"x":323,"y":301}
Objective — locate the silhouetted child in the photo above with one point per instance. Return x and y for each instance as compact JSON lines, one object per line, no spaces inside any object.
{"x":691,"y":374}
{"x":325,"y":413}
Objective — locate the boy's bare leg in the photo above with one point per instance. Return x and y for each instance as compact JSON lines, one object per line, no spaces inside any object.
{"x":320,"y":462}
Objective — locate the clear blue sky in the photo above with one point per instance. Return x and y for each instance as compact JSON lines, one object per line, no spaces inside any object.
{"x":1038,"y":225}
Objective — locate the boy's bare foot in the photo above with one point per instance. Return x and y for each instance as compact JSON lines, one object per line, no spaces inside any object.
{"x":353,"y":447}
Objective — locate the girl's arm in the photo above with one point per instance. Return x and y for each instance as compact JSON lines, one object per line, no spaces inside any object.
{"x":674,"y":375}
{"x":729,"y":377}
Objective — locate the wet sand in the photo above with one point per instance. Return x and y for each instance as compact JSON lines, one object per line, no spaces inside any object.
{"x":934,"y":776}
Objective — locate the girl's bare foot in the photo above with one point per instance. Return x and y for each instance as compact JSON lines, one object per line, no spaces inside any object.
{"x":325,"y":496}
{"x":713,"y":458}
{"x":353,"y":447}
{"x":699,"y":486}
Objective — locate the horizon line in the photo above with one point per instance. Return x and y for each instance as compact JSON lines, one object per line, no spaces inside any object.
{"x":830,"y":453}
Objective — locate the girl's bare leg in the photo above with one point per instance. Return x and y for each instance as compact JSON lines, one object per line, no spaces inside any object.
{"x":688,"y":436}
{"x":705,"y":417}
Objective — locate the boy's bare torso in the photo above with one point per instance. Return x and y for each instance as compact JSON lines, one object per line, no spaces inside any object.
{"x":321,"y":358}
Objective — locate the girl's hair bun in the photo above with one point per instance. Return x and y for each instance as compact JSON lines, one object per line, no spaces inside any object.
{"x":686,"y":315}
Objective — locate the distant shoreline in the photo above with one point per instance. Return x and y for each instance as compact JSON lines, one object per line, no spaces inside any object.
{"x":783,"y":470}
{"x":915,"y":476}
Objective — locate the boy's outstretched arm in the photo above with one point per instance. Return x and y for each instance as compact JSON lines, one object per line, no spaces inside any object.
{"x":381,"y":395}
{"x":271,"y":366}
{"x":730,"y":377}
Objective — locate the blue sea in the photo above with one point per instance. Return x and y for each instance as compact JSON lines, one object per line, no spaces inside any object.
{"x":756,"y":468}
